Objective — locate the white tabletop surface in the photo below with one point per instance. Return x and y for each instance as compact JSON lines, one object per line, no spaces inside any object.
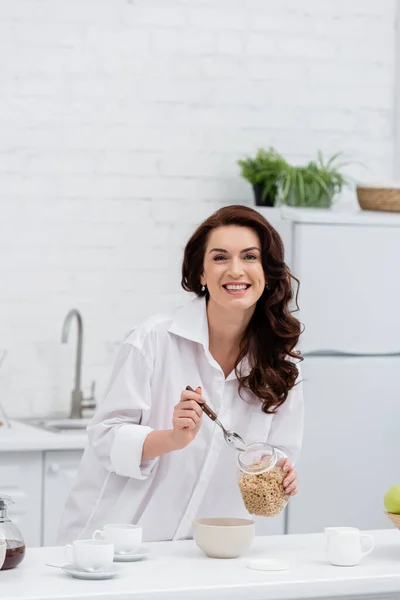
{"x":178,"y":570}
{"x":24,"y":437}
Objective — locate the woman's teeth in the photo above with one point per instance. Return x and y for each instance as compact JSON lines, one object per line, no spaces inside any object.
{"x":236,"y":287}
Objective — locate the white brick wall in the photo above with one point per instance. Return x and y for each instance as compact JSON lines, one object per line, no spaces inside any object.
{"x":121,"y":124}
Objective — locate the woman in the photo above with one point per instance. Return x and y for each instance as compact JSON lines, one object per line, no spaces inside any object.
{"x":152,"y":457}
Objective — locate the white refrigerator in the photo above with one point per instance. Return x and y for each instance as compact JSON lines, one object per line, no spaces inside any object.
{"x":349,"y":268}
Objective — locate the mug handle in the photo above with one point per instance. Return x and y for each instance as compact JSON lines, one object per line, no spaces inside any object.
{"x":69,"y":553}
{"x":98,"y":535}
{"x":365,"y":536}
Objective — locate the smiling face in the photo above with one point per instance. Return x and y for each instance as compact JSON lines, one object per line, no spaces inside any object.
{"x":233,"y":271}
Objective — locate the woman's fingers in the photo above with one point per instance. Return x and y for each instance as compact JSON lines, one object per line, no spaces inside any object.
{"x":182,"y":419}
{"x":186,"y":417}
{"x":184,"y":413}
{"x":290,"y":482}
{"x":184,"y":423}
{"x":290,"y":478}
{"x":187,"y":395}
{"x":191,"y":405}
{"x":292,"y":489}
{"x":187,"y":413}
{"x":190,"y":400}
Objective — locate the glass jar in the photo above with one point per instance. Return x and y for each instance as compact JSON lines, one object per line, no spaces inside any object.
{"x":15,"y":545}
{"x":260,"y":479}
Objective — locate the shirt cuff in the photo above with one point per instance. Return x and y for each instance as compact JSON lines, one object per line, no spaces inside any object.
{"x":126,"y":452}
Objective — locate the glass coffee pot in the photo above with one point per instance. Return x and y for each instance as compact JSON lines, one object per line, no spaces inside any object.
{"x":15,"y":550}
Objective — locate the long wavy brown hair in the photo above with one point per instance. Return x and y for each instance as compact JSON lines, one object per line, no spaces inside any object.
{"x":273,"y":332}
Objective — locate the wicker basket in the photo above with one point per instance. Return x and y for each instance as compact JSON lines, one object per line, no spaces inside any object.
{"x":379,"y":198}
{"x":394,"y":518}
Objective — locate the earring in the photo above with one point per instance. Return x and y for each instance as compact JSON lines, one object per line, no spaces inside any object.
{"x":266,"y":286}
{"x":203,"y":288}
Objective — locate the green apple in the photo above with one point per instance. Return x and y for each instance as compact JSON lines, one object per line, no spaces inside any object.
{"x":392,"y":500}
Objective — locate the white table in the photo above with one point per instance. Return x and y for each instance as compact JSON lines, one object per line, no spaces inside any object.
{"x":178,"y":570}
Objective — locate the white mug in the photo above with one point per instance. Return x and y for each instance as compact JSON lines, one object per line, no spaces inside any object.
{"x":90,"y":555}
{"x":125,"y":537}
{"x":344,"y":545}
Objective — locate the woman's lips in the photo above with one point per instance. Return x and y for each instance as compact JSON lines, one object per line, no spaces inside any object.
{"x":237,"y":292}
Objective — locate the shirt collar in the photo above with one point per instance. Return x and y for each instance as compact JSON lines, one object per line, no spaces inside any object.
{"x":190,"y":322}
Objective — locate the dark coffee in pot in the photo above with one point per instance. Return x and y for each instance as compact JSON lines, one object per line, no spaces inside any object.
{"x":14,"y":554}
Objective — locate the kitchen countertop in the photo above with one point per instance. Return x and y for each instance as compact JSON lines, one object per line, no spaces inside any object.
{"x":24,"y":437}
{"x":178,"y":570}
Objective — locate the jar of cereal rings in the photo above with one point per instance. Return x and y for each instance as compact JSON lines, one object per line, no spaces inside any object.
{"x":261,"y":479}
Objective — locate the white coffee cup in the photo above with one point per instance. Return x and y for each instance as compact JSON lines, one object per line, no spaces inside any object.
{"x":344,"y":545}
{"x":90,"y":555}
{"x":125,"y":537}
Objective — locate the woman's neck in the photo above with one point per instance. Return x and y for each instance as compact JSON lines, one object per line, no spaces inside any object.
{"x":226,"y":329}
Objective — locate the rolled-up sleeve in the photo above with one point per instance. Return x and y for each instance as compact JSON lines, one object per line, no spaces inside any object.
{"x":286,"y":431}
{"x":119,"y":428}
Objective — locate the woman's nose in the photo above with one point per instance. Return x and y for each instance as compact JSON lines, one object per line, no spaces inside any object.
{"x":236,"y":268}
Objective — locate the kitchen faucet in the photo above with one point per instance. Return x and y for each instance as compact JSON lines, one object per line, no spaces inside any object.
{"x":78,"y":402}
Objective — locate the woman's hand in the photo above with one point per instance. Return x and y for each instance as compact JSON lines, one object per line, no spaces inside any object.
{"x":187,"y":417}
{"x":290,"y":483}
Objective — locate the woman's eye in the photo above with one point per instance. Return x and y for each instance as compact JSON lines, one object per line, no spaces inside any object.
{"x":251,"y":257}
{"x":218,"y":258}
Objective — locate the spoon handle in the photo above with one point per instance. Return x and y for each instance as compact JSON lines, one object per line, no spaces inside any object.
{"x":208,"y":411}
{"x":204,"y":407}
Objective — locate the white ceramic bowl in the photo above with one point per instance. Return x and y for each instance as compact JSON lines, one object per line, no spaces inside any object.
{"x":3,"y":548}
{"x":223,"y":537}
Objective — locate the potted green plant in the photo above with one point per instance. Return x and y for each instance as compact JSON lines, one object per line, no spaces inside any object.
{"x":313,"y":185}
{"x":263,"y":172}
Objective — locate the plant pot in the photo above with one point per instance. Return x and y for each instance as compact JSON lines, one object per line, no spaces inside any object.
{"x":269,"y":199}
{"x":311,"y":199}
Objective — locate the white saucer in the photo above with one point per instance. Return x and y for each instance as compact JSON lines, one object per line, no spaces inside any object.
{"x":268,"y":564}
{"x":81,"y":574}
{"x":138,"y":555}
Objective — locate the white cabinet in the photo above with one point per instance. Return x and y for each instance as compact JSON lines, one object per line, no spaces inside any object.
{"x":283,"y":227}
{"x":21,"y":478}
{"x":60,"y":470}
{"x":351,"y":451}
{"x":349,"y":287}
{"x":39,"y":484}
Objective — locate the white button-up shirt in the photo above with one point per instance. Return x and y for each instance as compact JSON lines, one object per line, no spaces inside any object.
{"x":156,"y":362}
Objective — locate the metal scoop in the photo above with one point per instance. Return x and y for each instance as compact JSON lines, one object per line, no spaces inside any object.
{"x":231,"y":438}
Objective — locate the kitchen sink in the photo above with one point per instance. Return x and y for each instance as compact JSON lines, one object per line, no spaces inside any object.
{"x":62,"y":425}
